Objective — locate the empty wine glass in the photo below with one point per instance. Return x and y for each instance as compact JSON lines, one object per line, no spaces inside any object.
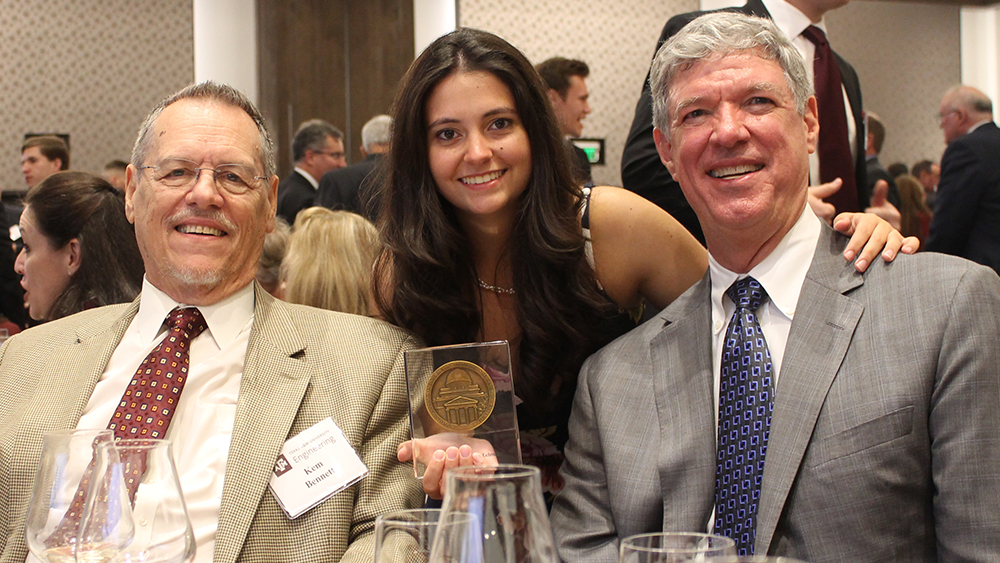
{"x":508,"y":521}
{"x":752,"y":559}
{"x":672,"y":547}
{"x":59,"y":492}
{"x":135,"y":509}
{"x":408,"y":535}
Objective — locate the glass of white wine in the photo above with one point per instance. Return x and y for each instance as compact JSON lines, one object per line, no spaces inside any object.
{"x":59,"y":494}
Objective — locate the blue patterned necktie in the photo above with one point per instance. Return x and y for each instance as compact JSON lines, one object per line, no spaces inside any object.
{"x":746,"y":399}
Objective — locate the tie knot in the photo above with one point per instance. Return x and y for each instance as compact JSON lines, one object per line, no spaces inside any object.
{"x":747,"y":293}
{"x":188,"y":320}
{"x":816,"y":35}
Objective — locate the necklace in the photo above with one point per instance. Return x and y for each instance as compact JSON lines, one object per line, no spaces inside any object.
{"x":495,"y":289}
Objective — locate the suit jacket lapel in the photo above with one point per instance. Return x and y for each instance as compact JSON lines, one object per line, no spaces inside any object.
{"x":275,"y":378}
{"x":90,"y":354}
{"x":817,"y":342}
{"x":681,"y":356}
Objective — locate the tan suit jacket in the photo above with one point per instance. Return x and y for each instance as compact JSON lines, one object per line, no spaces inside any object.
{"x":302,"y":365}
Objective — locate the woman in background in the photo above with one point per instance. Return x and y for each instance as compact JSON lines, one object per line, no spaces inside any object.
{"x":329,"y":261}
{"x":915,"y":215}
{"x":269,"y":263}
{"x":79,"y":249}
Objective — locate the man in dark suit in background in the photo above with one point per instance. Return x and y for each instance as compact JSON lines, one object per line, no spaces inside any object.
{"x":317,"y":148}
{"x":967,"y":211}
{"x":351,"y":188}
{"x":874,"y":141}
{"x":642,"y":171}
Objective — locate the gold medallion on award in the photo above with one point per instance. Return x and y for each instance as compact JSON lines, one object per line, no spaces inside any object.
{"x":460,"y":396}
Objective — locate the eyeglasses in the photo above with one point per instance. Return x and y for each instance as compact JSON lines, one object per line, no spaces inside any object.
{"x":233,"y":178}
{"x":941,"y":116}
{"x":333,"y":155}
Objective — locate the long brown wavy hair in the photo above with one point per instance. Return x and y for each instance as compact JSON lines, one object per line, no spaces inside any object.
{"x":426,"y":280}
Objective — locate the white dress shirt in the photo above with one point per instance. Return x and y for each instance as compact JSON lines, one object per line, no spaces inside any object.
{"x":202,"y":425}
{"x":308,"y":176}
{"x":781,"y":275}
{"x":792,"y":23}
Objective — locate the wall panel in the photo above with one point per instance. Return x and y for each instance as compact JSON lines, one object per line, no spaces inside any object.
{"x":90,"y":68}
{"x":333,"y":60}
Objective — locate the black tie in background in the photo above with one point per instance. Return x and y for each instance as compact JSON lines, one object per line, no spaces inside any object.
{"x":835,"y":159}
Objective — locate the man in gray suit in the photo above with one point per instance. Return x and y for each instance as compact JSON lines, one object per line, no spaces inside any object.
{"x":864,"y":424}
{"x":201,"y":191}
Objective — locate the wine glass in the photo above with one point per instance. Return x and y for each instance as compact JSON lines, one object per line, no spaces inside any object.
{"x":673,"y":547}
{"x":752,"y":559}
{"x":59,"y":492}
{"x":507,"y":522}
{"x":135,"y":509}
{"x":407,"y":535}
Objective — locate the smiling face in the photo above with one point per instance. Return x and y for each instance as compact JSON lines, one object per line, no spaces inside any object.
{"x":45,"y":270}
{"x":739,"y":149}
{"x":571,"y":110}
{"x":479,"y":152}
{"x":200,"y":244}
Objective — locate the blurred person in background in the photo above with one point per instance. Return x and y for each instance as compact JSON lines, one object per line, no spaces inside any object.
{"x":329,"y":261}
{"x":43,"y":156}
{"x":114,"y":173}
{"x":79,"y":249}
{"x":269,"y":264}
{"x":915,"y":215}
{"x":317,"y":148}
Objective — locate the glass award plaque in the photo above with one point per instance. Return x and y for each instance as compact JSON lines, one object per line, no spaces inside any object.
{"x":462,"y":394}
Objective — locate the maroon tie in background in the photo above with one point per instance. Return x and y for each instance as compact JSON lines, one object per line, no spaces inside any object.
{"x":148,"y":404}
{"x":835,"y":159}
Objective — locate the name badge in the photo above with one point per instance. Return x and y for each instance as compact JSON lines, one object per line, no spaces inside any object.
{"x":313,"y":466}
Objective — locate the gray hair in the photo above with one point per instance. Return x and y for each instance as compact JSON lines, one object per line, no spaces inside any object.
{"x":376,"y":132}
{"x":222,"y":93}
{"x":718,"y":34}
{"x":969,"y":99}
{"x":311,"y":136}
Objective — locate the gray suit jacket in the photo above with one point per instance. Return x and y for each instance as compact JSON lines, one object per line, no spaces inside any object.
{"x":302,"y":365}
{"x":885,"y":437}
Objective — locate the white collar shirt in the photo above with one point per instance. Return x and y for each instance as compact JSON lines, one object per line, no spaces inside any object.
{"x":978,"y":125}
{"x":308,"y":176}
{"x":202,"y":426}
{"x":781,"y":274}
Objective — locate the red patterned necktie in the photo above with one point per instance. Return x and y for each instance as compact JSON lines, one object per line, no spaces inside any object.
{"x":147,"y":406}
{"x":835,"y":159}
{"x":151,"y":397}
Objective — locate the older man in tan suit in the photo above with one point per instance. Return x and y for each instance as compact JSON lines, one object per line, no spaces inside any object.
{"x":201,"y":192}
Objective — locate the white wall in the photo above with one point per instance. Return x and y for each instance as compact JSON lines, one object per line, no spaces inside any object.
{"x":980,"y":44}
{"x":432,"y":19}
{"x":225,"y":43}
